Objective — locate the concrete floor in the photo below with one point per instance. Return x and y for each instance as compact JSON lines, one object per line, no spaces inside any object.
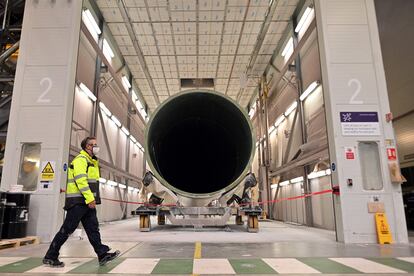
{"x":278,"y":247}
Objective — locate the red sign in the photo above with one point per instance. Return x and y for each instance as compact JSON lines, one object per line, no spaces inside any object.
{"x":392,"y":154}
{"x":349,"y":154}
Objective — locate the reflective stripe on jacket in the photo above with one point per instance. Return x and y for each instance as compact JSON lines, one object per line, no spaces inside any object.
{"x":83,"y":181}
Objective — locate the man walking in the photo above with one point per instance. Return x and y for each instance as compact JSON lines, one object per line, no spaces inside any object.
{"x":82,"y":196}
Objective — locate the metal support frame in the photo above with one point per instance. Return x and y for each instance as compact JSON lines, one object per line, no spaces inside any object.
{"x":259,"y":42}
{"x":6,"y":54}
{"x":110,"y":68}
{"x":131,"y":32}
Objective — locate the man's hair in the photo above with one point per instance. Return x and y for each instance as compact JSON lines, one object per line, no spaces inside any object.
{"x":86,"y":141}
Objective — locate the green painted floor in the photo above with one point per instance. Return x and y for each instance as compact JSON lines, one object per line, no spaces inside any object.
{"x":252,"y":266}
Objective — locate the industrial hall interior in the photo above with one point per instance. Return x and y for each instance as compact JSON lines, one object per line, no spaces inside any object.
{"x":206,"y":137}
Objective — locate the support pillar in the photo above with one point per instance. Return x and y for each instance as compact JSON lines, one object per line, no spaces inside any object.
{"x":42,"y":106}
{"x":356,"y":102}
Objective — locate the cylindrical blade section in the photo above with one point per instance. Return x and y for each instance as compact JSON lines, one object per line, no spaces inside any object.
{"x":199,"y":143}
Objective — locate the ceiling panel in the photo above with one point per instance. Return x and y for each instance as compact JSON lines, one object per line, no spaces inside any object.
{"x":190,"y":39}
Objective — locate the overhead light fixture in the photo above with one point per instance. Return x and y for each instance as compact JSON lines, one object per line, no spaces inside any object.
{"x":133,"y":139}
{"x":317,"y":174}
{"x":303,"y":19}
{"x":284,"y":183}
{"x":126,"y":83}
{"x":271,"y":129}
{"x":136,"y":190}
{"x":105,"y":109}
{"x":273,"y":186}
{"x":122,"y":186}
{"x":139,"y":105}
{"x":291,"y":108}
{"x":279,"y":120}
{"x":312,"y":87}
{"x":107,"y":50}
{"x":125,"y":130}
{"x":328,"y":172}
{"x":116,"y":121}
{"x":87,"y":92}
{"x":134,"y":96}
{"x":102,"y":180}
{"x":296,"y":180}
{"x":288,"y":48}
{"x":131,"y":189}
{"x":112,"y":183}
{"x":90,"y":22}
{"x":144,"y":113}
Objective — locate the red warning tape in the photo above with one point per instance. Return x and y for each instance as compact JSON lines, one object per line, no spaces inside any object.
{"x":291,"y":198}
{"x":248,"y":203}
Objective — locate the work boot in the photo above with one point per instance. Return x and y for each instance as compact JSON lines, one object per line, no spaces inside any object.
{"x":53,"y":262}
{"x":107,"y":257}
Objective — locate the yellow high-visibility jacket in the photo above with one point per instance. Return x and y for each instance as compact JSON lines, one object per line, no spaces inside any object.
{"x":83,"y":180}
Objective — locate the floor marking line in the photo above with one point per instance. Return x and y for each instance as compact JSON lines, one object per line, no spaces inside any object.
{"x":197,"y":250}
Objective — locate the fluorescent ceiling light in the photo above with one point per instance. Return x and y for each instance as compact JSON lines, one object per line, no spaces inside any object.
{"x":288,"y":47}
{"x":134,"y":96}
{"x":112,"y":183}
{"x":139,"y":105}
{"x":107,"y":50}
{"x":125,"y":130}
{"x":136,"y":190}
{"x":105,"y":109}
{"x":317,"y":174}
{"x":122,"y":186}
{"x":133,"y":139}
{"x":273,"y":186}
{"x":284,"y":183}
{"x":303,"y":19}
{"x":144,"y":113}
{"x":297,"y":179}
{"x":131,"y":189}
{"x":116,"y":121}
{"x":271,"y":129}
{"x":102,"y":180}
{"x":312,"y":87}
{"x":328,"y":172}
{"x":125,"y":82}
{"x":291,"y":108}
{"x":90,"y":22}
{"x":279,"y":120}
{"x":87,"y":92}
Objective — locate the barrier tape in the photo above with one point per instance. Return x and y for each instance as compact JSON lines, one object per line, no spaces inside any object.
{"x":243,"y":204}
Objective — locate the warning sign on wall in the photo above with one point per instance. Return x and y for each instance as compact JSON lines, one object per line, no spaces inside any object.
{"x":392,"y":154}
{"x":48,"y":171}
{"x":349,"y":153}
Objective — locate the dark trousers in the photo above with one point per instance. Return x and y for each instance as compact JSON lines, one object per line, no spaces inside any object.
{"x":76,"y":214}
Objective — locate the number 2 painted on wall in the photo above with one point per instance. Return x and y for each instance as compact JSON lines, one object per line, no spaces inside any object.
{"x":357,"y":91}
{"x":42,"y":98}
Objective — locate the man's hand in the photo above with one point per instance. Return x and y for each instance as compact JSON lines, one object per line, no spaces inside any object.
{"x":92,"y":205}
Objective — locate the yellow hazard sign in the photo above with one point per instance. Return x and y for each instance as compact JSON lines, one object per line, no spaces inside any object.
{"x":383,"y":229}
{"x":48,"y":173}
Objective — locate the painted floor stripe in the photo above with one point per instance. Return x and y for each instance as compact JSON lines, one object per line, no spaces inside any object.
{"x":197,"y":250}
{"x":366,"y":266}
{"x":70,"y":263}
{"x":251,"y":266}
{"x":395,"y":263}
{"x":212,"y":266}
{"x":93,"y":267}
{"x":136,"y":266}
{"x":289,"y":266}
{"x":21,"y":266}
{"x":174,"y":266}
{"x":327,"y":266}
{"x":407,"y":259}
{"x":9,"y":260}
